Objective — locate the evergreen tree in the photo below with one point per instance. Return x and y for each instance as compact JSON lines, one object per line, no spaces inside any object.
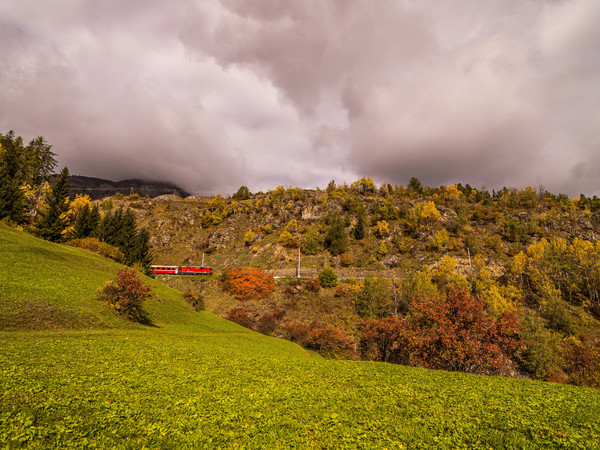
{"x":359,"y":230}
{"x":336,"y":238}
{"x":86,"y":222}
{"x":53,"y":221}
{"x":12,"y":198}
{"x":142,"y":254}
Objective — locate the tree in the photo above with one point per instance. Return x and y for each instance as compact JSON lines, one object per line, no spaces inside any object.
{"x":12,"y":198}
{"x":311,"y":241}
{"x":243,"y":193}
{"x":40,"y":161}
{"x":86,"y":222}
{"x":53,"y":220}
{"x":359,"y":230}
{"x":125,"y":294}
{"x":373,"y":301}
{"x":415,"y":186}
{"x":452,"y":331}
{"x":247,"y":284}
{"x":336,"y":239}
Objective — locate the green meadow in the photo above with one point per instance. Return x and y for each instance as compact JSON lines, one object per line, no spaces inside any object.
{"x":72,"y":375}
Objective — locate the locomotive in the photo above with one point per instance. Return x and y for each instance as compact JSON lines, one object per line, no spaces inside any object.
{"x":181,"y":270}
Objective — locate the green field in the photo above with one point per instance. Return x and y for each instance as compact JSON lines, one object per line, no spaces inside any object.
{"x":73,"y":375}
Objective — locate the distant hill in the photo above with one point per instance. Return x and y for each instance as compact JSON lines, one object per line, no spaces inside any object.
{"x":98,"y":188}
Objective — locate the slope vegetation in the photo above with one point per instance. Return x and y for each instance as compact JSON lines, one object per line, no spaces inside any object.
{"x":197,"y":381}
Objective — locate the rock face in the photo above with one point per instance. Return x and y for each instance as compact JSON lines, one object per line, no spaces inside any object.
{"x":98,"y":188}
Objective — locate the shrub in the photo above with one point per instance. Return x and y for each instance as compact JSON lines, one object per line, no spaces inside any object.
{"x":101,"y":248}
{"x":373,"y":300}
{"x":247,"y":284}
{"x":125,"y":295}
{"x":346,"y":260}
{"x":383,"y":340}
{"x":328,"y":277}
{"x":241,"y":317}
{"x":327,"y":341}
{"x":295,"y":332}
{"x":341,"y":292}
{"x":452,"y":331}
{"x":194,"y":299}
{"x":268,"y":323}
{"x":582,"y":362}
{"x":313,"y":285}
{"x":249,"y":238}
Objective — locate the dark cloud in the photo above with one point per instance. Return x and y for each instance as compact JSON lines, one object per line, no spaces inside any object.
{"x":216,"y":94}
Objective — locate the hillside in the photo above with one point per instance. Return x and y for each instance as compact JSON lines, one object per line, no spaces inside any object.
{"x":83,"y":378}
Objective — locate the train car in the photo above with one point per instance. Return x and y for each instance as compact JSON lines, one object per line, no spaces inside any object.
{"x":165,"y":270}
{"x":195,"y":270}
{"x":181,"y":270}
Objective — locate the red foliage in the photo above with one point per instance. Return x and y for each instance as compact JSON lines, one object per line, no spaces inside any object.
{"x":582,"y":362}
{"x":125,"y":294}
{"x":241,"y":317}
{"x":247,"y":284}
{"x":313,"y":285}
{"x":268,"y":323}
{"x":383,"y":340}
{"x":341,"y":292}
{"x":295,"y":332}
{"x":452,"y":331}
{"x":327,"y":341}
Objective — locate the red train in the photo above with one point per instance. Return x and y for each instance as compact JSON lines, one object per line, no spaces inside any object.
{"x":181,"y":270}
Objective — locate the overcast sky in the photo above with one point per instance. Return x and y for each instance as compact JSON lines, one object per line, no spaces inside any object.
{"x":214,"y":94}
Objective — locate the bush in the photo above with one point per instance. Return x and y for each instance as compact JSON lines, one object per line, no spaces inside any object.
{"x":452,"y":331}
{"x":313,"y":285}
{"x":99,"y":247}
{"x":125,"y":295}
{"x":327,"y":341}
{"x":383,"y":340}
{"x":373,"y":300}
{"x":194,"y":299}
{"x":241,"y":317}
{"x":247,"y":284}
{"x":268,"y":323}
{"x":328,"y":277}
{"x":582,"y":362}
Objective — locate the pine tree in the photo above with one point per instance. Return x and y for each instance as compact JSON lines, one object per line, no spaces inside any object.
{"x":142,"y":254}
{"x":53,"y":221}
{"x":12,"y":198}
{"x":86,"y":222}
{"x":336,"y":239}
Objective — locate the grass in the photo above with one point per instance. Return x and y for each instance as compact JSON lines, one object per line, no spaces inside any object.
{"x":197,"y":381}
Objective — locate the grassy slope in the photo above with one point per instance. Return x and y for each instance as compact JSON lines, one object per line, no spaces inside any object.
{"x":197,"y":380}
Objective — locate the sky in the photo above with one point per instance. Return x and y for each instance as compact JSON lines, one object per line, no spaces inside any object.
{"x":215,"y":94}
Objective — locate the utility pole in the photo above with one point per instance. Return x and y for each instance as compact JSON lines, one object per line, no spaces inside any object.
{"x":298,"y":271}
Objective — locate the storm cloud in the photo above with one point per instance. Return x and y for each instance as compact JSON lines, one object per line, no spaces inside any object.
{"x":215,"y":94}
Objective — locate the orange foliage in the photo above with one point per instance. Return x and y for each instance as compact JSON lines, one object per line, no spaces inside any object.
{"x":248,"y":284}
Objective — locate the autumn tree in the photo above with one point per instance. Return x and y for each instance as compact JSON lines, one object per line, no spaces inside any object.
{"x":452,"y":331}
{"x":125,"y":295}
{"x":247,"y":283}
